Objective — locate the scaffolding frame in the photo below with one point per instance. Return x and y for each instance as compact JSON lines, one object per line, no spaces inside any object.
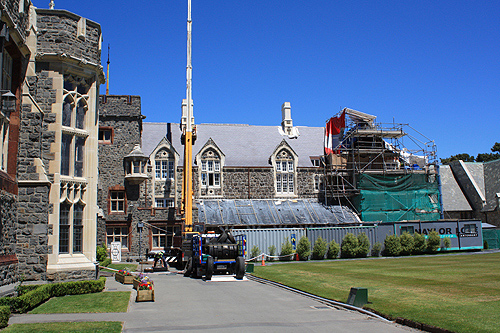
{"x":373,"y":148}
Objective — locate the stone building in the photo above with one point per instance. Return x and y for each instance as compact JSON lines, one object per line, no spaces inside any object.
{"x":471,"y":191}
{"x":14,"y":55}
{"x":123,"y":178}
{"x":52,"y":63}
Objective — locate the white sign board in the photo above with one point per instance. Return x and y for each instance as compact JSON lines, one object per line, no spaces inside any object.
{"x":116,"y":252}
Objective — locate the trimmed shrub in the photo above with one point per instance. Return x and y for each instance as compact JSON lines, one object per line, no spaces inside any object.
{"x":319,"y":249}
{"x":376,"y":249}
{"x":304,"y":248}
{"x":446,"y":243}
{"x":4,"y":316}
{"x":101,"y":253}
{"x":41,"y":293}
{"x":24,"y":288}
{"x":363,"y":246}
{"x":254,"y":252}
{"x":485,"y":245}
{"x":420,"y":244}
{"x":407,"y":244}
{"x":433,"y":241}
{"x":392,"y":246}
{"x":286,"y":250}
{"x":349,"y":246}
{"x":333,"y":250}
{"x":272,"y":252}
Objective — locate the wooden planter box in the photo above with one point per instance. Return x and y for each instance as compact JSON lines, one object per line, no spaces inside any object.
{"x":136,"y":284}
{"x":145,"y":295}
{"x":125,"y":279}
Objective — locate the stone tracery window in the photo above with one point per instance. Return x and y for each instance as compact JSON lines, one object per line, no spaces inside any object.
{"x":71,"y":217}
{"x":4,"y":114}
{"x":164,"y":165}
{"x":285,"y":172}
{"x":210,"y":169}
{"x":74,"y":133}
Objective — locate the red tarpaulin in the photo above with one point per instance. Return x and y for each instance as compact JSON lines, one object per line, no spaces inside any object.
{"x":332,"y":133}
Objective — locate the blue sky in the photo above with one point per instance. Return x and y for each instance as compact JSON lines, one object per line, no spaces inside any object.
{"x":432,"y":64}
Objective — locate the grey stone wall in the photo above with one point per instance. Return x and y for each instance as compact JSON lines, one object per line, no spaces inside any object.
{"x":33,"y":232}
{"x":248,"y":183}
{"x":57,"y":34}
{"x":19,"y":18}
{"x":8,"y":221}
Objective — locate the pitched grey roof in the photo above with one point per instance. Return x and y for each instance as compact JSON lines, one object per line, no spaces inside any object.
{"x":452,"y":196}
{"x":492,"y":182}
{"x":243,"y":145}
{"x":271,"y":212}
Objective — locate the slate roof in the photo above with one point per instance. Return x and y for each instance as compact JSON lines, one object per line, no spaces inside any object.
{"x":452,"y":196}
{"x":265,"y":212}
{"x":243,"y":145}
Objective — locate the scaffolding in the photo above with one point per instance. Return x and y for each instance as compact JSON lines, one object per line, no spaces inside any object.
{"x":369,"y":149}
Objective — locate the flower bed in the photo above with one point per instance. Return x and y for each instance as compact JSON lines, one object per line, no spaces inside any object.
{"x":145,"y":290}
{"x":124,"y":276}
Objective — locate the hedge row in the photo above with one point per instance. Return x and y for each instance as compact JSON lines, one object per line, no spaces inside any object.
{"x":32,"y":296}
{"x":4,"y":316}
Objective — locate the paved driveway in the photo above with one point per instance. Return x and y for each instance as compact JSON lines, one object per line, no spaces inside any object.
{"x":191,"y":305}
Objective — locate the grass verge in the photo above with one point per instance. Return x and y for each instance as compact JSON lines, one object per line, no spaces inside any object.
{"x":110,"y":301}
{"x":460,"y":293}
{"x":96,"y":326}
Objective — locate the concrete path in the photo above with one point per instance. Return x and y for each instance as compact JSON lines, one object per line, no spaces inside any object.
{"x":191,"y":305}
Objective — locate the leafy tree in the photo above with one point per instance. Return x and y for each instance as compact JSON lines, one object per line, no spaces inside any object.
{"x":419,"y":243}
{"x":272,"y":252}
{"x":376,"y":249}
{"x":496,"y":147}
{"x":254,"y":252}
{"x":304,"y":248}
{"x":286,"y":250}
{"x":333,"y":250}
{"x":363,"y":246}
{"x":486,"y":157}
{"x":407,"y":243}
{"x":464,"y":157}
{"x":433,"y":241}
{"x":349,"y":246}
{"x":392,"y":245}
{"x":319,"y":249}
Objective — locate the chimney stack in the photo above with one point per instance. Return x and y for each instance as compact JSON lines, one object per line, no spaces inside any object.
{"x":286,"y":123}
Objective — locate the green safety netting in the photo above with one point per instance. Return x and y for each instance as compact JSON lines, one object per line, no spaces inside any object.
{"x":492,"y":237}
{"x":391,"y":198}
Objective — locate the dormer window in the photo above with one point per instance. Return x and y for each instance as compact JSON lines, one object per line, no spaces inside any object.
{"x":136,"y":166}
{"x":284,"y":170}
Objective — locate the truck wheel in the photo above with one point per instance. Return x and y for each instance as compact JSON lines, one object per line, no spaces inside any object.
{"x":210,"y":268}
{"x":240,"y":267}
{"x":189,"y":267}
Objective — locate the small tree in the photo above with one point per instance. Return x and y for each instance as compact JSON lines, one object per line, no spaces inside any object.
{"x":376,"y":249}
{"x":349,"y":246}
{"x":363,"y":246}
{"x":319,"y":249}
{"x":101,"y":252}
{"x":286,"y":250}
{"x":392,"y":246}
{"x":333,"y":250}
{"x":272,"y":252}
{"x":446,"y":243}
{"x":304,"y":248}
{"x":433,"y":241}
{"x":407,"y":244}
{"x":420,"y":244}
{"x":254,"y":252}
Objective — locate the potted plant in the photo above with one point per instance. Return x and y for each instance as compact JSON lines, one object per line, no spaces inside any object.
{"x":145,"y":292}
{"x":124,"y":276}
{"x":141,"y":278}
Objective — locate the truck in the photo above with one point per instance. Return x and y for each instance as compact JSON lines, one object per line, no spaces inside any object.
{"x":216,"y":254}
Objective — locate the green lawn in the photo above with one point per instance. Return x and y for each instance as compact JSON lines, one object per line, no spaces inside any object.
{"x":459,"y":293}
{"x":110,"y":301}
{"x":131,"y":267}
{"x":90,"y":327}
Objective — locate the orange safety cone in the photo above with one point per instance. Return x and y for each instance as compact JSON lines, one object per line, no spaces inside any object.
{"x":263,"y":260}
